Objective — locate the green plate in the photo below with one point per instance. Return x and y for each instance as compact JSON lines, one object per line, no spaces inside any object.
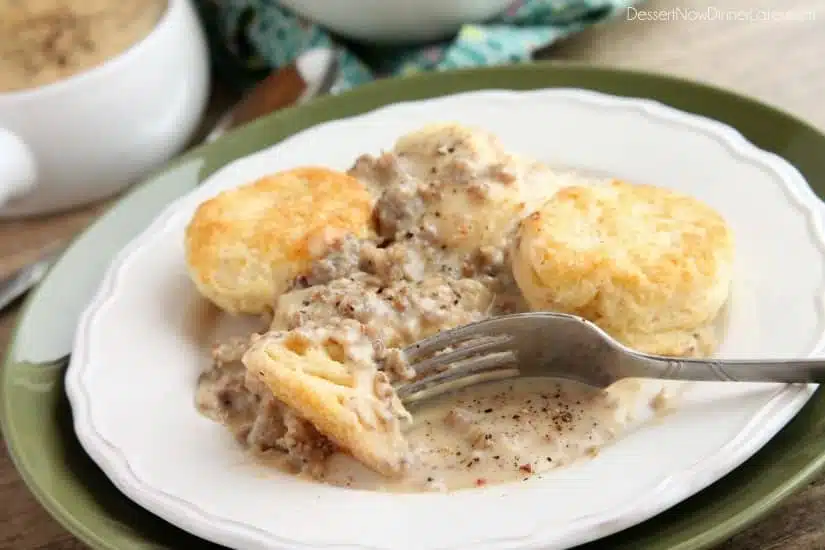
{"x":37,"y":421}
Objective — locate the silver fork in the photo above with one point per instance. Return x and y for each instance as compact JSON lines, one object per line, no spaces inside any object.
{"x":566,"y":346}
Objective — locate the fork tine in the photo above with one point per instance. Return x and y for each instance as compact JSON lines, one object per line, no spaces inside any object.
{"x":452,"y":337}
{"x":491,"y":362}
{"x":492,"y":343}
{"x":435,"y":390}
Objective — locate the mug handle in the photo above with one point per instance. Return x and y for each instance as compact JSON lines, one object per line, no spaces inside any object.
{"x":18,"y":168}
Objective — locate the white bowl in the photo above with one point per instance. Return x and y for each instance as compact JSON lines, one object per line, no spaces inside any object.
{"x":143,"y":341}
{"x":396,"y":21}
{"x":88,"y":136}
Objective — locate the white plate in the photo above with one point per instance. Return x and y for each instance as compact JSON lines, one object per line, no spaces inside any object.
{"x":136,"y":357}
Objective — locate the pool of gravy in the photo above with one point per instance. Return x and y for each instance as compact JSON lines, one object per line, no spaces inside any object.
{"x":496,"y":432}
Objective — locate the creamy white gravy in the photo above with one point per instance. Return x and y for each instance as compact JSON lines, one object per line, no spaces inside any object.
{"x":413,"y":279}
{"x":496,"y":432}
{"x":43,"y":41}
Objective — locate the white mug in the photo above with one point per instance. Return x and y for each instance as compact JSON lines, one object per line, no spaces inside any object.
{"x":89,"y":136}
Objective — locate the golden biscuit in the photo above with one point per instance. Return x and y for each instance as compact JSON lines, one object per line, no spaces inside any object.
{"x":441,"y":143}
{"x":245,"y":246}
{"x":650,"y":266}
{"x":474,"y":191}
{"x":353,"y":405}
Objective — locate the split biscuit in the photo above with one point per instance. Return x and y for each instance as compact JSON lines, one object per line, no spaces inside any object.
{"x":349,"y":402}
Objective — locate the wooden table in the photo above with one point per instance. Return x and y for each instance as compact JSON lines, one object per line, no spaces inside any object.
{"x":780,"y":62}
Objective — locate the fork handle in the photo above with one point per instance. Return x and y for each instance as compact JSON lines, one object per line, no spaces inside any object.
{"x":788,"y":371}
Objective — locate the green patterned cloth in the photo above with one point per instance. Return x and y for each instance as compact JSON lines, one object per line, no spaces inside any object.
{"x":249,"y":38}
